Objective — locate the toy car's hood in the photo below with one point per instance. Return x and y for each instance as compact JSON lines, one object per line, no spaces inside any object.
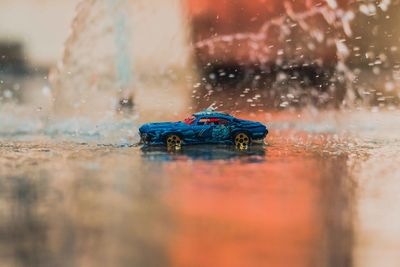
{"x":159,"y":125}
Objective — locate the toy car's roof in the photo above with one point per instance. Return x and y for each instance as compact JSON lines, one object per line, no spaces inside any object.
{"x":208,"y":112}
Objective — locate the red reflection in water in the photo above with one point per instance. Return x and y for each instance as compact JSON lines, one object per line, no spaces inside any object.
{"x":246,"y":214}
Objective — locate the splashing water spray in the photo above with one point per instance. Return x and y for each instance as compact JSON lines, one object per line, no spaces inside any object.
{"x":125,"y":55}
{"x":123,"y":60}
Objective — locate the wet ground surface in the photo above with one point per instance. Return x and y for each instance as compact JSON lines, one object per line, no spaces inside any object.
{"x":314,"y":195}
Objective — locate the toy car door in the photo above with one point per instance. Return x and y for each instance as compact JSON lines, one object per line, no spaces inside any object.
{"x":221,"y":130}
{"x":203,"y":129}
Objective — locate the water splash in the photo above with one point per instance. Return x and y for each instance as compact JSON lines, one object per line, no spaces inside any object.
{"x":123,"y":60}
{"x":118,"y":68}
{"x":117,"y":54}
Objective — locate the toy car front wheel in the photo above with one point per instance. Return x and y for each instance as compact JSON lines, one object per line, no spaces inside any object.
{"x":174,"y":141}
{"x":242,"y":140}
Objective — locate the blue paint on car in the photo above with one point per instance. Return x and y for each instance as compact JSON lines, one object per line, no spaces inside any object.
{"x":207,"y":127}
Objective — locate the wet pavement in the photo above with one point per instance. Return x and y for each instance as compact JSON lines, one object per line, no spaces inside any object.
{"x":312,"y":196}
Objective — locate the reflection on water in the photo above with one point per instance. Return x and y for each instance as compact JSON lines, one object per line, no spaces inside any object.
{"x":22,"y":224}
{"x":68,"y":204}
{"x":291,"y":212}
{"x":254,"y":153}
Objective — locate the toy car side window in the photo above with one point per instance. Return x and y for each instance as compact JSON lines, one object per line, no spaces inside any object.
{"x":223,"y":122}
{"x":207,"y":121}
{"x":213,"y":121}
{"x":202,"y":121}
{"x":218,"y":121}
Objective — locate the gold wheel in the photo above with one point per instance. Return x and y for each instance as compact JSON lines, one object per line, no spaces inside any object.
{"x":242,"y":141}
{"x":174,"y":141}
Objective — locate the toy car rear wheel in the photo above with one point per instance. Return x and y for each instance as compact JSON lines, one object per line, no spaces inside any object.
{"x":242,"y":140}
{"x":174,"y":141}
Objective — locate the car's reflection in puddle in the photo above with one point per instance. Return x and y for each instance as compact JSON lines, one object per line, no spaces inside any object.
{"x":254,"y":153}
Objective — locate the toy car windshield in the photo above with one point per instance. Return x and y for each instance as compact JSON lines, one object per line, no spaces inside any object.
{"x":189,"y":120}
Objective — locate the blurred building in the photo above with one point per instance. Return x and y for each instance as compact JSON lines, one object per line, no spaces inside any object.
{"x":35,"y":29}
{"x":12,"y":58}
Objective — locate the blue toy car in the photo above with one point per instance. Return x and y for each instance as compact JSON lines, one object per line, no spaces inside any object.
{"x":206,"y":127}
